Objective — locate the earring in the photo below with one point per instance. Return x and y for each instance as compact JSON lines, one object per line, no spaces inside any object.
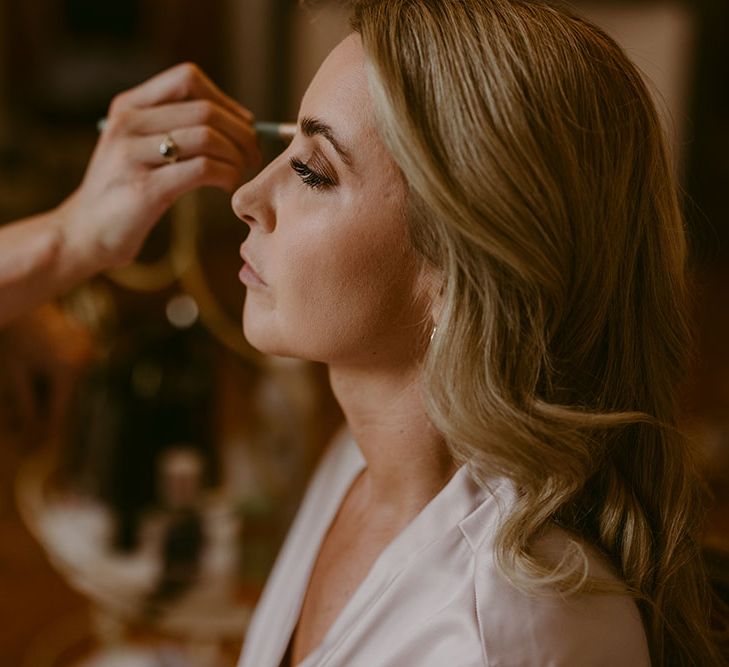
{"x":432,"y":333}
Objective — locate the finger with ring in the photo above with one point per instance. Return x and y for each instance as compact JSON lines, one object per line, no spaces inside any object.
{"x":169,"y":149}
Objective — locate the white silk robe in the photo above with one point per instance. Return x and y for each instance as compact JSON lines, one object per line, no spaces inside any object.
{"x":434,"y":597}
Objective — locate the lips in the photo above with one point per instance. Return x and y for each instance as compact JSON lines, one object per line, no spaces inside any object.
{"x":249,"y":274}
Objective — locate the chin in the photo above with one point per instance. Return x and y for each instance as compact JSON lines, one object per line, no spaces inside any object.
{"x":259,"y":328}
{"x":257,"y":338}
{"x":276,"y":345}
{"x":264,"y":339}
{"x":270,"y":333}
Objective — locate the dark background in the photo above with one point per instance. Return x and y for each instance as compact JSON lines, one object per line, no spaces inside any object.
{"x":61,"y":61}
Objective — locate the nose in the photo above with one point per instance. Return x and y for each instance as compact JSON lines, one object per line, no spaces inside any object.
{"x":252,"y":202}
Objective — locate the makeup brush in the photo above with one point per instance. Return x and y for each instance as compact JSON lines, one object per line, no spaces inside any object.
{"x":267,"y":129}
{"x":283,"y":131}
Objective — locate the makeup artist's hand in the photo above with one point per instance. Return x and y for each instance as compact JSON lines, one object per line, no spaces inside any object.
{"x":129,"y":183}
{"x":171,"y":134}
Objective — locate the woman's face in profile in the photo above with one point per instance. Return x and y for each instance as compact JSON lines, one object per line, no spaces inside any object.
{"x":328,"y":237}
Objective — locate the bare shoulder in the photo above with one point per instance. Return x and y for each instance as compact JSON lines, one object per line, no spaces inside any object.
{"x":522,"y":629}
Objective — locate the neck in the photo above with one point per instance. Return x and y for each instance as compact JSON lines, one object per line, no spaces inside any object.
{"x":407,"y":459}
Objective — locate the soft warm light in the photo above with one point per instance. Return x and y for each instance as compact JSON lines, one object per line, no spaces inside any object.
{"x":182,"y":311}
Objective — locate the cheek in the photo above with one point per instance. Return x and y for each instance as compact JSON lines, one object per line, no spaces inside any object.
{"x":343,"y":280}
{"x":351,"y":277}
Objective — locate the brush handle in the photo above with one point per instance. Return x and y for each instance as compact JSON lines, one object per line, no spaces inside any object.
{"x":284,"y":131}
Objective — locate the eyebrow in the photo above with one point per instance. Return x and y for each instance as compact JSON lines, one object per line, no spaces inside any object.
{"x":313,"y":126}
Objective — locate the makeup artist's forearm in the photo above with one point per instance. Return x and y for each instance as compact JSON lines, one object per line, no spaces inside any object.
{"x":37,"y":262}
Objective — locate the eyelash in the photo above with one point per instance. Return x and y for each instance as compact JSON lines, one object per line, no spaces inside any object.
{"x":312,"y":179}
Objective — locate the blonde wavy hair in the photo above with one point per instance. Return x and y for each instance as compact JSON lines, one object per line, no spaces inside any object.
{"x":541,"y":187}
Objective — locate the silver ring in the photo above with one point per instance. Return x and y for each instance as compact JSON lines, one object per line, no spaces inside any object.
{"x":169,"y":149}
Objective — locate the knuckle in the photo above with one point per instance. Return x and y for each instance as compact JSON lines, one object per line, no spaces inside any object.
{"x":202,"y":165}
{"x":116,"y":121}
{"x":193,"y":69}
{"x":205,"y":111}
{"x":189,"y":71}
{"x":186,"y":75}
{"x":118,"y":103}
{"x":207,"y":135}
